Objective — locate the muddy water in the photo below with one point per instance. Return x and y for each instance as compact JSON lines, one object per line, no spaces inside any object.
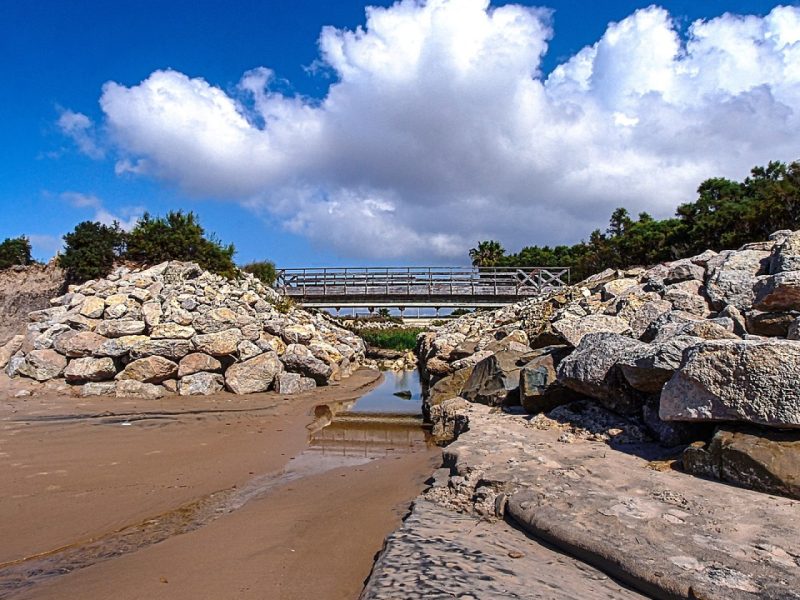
{"x":384,"y":422}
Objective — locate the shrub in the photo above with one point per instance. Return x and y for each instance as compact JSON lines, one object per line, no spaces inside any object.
{"x":15,"y":251}
{"x":264,"y":270}
{"x":178,"y":236}
{"x":90,"y":250}
{"x":396,"y":338}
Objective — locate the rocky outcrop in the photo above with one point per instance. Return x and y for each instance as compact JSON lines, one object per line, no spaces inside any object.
{"x":175,"y":328}
{"x":674,"y":348}
{"x":736,"y":380}
{"x":760,"y":459}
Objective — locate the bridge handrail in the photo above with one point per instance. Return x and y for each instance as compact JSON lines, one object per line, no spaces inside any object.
{"x":361,"y":281}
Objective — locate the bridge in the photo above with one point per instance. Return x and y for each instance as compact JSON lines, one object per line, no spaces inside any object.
{"x":420,"y":287}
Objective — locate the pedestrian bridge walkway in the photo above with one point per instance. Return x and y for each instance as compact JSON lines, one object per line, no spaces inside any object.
{"x":421,"y":287}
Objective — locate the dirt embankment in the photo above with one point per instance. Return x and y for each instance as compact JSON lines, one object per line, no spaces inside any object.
{"x":24,"y":289}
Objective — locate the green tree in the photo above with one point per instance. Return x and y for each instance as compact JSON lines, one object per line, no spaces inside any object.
{"x":264,"y":270}
{"x":487,"y":254}
{"x":90,"y":250}
{"x":178,"y":236}
{"x":15,"y":251}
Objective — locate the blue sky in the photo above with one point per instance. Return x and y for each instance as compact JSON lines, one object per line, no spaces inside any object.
{"x":57,"y":56}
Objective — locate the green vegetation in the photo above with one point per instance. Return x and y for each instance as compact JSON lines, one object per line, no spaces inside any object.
{"x":91,"y":249}
{"x":264,"y":270}
{"x":15,"y":251}
{"x":178,"y":236}
{"x":395,"y":338}
{"x":726,"y":215}
{"x":487,"y":254}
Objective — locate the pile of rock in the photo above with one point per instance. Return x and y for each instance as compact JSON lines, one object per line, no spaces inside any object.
{"x":679,"y":348}
{"x":175,"y":328}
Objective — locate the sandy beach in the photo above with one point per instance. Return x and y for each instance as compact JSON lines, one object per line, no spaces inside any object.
{"x":190,"y":498}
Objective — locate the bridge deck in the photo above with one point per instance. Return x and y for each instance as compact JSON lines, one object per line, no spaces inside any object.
{"x":417,"y":286}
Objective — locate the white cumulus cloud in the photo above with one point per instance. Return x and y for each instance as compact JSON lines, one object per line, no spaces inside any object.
{"x":439,"y":128}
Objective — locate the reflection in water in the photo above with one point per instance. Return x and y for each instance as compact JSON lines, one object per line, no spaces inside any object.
{"x":385,"y":398}
{"x":379,"y":424}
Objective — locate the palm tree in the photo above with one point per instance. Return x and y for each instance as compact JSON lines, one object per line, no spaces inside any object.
{"x":487,"y":254}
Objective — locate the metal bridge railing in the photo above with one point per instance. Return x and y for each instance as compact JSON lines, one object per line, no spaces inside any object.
{"x":420,"y":281}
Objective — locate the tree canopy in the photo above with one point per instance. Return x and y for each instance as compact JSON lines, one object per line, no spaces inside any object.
{"x":15,"y":251}
{"x":92,"y":248}
{"x":726,"y":214}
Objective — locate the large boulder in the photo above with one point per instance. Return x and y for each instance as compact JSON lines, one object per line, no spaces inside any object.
{"x":786,"y":253}
{"x":293,"y":383}
{"x":731,"y":276}
{"x":115,"y":329}
{"x":78,"y":344}
{"x":254,"y":375}
{"x":539,"y":388}
{"x":171,"y":349}
{"x":449,"y":420}
{"x":215,"y":321}
{"x":736,"y":380}
{"x":573,"y":330}
{"x":449,"y":386}
{"x":684,"y":270}
{"x":495,"y":380}
{"x":778,"y":292}
{"x":197,"y":362}
{"x":640,"y":310}
{"x":201,"y":384}
{"x":172,"y":331}
{"x":591,"y":370}
{"x":754,"y":458}
{"x":93,"y":307}
{"x":688,"y":296}
{"x":769,"y":324}
{"x":222,"y":343}
{"x":152,"y":369}
{"x":130,"y":388}
{"x":120,"y":346}
{"x":648,"y":369}
{"x":299,"y":359}
{"x":90,"y":369}
{"x":42,"y":365}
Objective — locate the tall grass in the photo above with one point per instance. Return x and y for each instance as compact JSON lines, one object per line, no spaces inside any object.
{"x":395,"y":338}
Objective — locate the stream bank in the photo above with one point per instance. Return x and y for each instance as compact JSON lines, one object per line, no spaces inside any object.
{"x":268,"y":507}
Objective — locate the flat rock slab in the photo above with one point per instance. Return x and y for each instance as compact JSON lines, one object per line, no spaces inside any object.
{"x":439,"y":553}
{"x":664,"y":532}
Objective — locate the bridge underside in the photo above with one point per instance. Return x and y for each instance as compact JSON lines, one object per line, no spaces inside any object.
{"x":407,"y":302}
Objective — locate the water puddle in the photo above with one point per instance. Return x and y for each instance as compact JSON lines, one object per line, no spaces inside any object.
{"x":384,"y":422}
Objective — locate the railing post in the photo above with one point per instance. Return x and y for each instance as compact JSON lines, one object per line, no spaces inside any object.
{"x":345,"y":281}
{"x":495,"y":280}
{"x":304,"y":283}
{"x":325,"y":283}
{"x":430,"y":282}
{"x":408,"y":281}
{"x":539,"y":281}
{"x":387,"y":281}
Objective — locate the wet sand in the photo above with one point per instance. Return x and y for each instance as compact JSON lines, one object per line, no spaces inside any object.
{"x":73,"y":470}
